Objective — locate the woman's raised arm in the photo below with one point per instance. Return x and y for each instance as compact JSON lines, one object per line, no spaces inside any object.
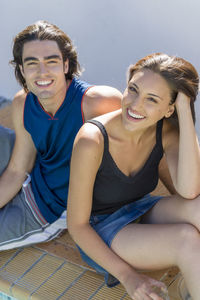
{"x":183,"y":152}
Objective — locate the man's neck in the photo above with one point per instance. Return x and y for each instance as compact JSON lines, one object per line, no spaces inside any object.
{"x":52,"y":104}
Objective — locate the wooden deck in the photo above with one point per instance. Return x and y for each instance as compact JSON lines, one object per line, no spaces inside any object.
{"x":54,"y":270}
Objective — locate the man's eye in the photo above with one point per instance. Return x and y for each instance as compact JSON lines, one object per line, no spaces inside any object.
{"x":31,"y":63}
{"x":52,"y":61}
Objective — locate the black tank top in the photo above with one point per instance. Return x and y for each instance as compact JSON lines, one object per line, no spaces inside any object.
{"x":112,"y":188}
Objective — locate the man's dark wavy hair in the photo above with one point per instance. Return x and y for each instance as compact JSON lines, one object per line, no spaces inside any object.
{"x":43,"y":30}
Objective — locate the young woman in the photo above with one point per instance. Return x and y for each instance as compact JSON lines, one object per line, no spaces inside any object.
{"x":119,"y":227}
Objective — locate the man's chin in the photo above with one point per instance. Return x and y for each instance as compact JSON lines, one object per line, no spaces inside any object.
{"x":43,"y":95}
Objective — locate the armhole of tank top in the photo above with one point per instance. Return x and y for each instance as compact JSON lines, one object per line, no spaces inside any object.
{"x":24,"y":110}
{"x":103,"y":131}
{"x":82,"y":100}
{"x":159,"y":133}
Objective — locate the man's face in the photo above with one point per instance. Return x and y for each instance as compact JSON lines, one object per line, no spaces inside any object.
{"x":44,"y":70}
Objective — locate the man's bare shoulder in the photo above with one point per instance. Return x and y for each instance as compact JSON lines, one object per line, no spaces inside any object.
{"x":99,"y":100}
{"x":103,"y":91}
{"x":18,"y":107}
{"x":20,"y":97}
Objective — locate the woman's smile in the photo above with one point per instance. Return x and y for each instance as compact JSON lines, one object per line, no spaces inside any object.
{"x":133,"y":114}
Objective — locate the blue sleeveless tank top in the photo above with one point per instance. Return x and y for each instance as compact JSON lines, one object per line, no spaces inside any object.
{"x":53,"y":138}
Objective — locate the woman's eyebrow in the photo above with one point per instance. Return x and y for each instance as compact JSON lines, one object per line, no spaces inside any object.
{"x":155,"y":96}
{"x":135,"y":85}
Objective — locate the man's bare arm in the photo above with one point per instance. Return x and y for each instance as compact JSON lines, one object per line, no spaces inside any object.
{"x":100,"y":100}
{"x":23,"y":156}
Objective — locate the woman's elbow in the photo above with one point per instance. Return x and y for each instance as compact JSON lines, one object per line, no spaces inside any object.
{"x":71,"y":227}
{"x":190,"y":195}
{"x":74,"y":229}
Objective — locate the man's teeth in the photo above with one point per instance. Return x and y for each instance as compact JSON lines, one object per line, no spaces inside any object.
{"x":44,"y":82}
{"x":134,"y":115}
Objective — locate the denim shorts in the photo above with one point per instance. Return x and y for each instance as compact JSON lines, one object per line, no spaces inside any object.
{"x":108,"y":225}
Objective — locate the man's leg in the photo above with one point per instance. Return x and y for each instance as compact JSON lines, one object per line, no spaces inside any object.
{"x":21,"y":223}
{"x":7,"y":139}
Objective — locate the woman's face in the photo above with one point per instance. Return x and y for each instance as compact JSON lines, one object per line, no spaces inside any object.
{"x":146,"y":100}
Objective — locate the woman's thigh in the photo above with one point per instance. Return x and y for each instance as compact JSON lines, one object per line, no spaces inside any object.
{"x":154,"y":246}
{"x":174,"y":209}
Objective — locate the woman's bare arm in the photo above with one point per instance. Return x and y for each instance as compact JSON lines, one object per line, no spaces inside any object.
{"x":183,"y":152}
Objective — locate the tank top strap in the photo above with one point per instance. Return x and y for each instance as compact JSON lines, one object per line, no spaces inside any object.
{"x":159,"y":132}
{"x":103,"y":131}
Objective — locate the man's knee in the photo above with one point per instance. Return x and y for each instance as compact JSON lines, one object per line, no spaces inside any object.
{"x":7,"y":139}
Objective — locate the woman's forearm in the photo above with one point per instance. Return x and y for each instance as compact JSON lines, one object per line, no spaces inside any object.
{"x":188,"y":172}
{"x":92,"y":244}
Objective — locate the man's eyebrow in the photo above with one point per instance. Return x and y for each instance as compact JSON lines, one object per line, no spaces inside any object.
{"x":30,"y":58}
{"x":52,"y":57}
{"x":45,"y":58}
{"x":155,"y":96}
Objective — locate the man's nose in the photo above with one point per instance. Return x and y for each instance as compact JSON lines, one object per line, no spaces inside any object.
{"x":43,"y":68}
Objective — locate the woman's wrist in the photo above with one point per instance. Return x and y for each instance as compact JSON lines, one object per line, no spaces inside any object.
{"x":126,"y":273}
{"x":182,"y":103}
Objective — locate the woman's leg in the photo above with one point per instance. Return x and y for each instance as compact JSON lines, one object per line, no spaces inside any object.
{"x":174,"y":209}
{"x":154,"y":246}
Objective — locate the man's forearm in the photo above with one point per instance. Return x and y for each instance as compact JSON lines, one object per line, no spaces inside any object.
{"x":10,"y":184}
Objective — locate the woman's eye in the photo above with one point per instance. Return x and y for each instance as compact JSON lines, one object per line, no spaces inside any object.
{"x":152,"y":100}
{"x":132,"y":89}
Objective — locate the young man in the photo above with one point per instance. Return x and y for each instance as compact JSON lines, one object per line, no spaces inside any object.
{"x":46,"y":117}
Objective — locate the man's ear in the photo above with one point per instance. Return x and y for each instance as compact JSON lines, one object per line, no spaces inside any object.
{"x":66,"y":66}
{"x":170,"y":111}
{"x":22,"y":70}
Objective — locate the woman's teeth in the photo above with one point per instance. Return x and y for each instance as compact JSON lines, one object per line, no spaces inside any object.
{"x":136,"y":116}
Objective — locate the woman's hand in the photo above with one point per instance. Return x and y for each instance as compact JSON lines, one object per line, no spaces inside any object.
{"x":182,"y":101}
{"x":142,"y":287}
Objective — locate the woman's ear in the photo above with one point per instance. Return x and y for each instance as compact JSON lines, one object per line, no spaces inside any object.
{"x":170,"y":111}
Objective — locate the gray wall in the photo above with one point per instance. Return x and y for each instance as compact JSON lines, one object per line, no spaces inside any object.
{"x":109,"y":34}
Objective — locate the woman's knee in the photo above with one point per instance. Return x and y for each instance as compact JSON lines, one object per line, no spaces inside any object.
{"x":192,"y":210}
{"x":188,"y":241}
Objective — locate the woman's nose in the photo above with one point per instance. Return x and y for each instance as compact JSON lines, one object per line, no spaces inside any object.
{"x":137,"y":102}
